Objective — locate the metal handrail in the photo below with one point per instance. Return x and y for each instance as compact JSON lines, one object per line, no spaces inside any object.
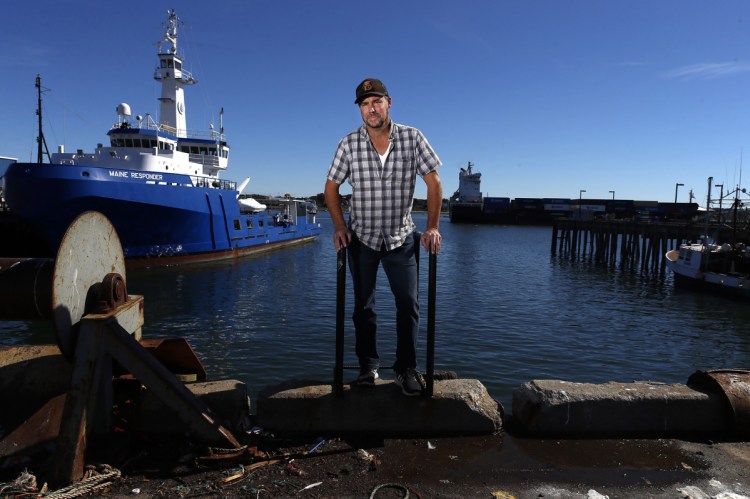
{"x":338,"y":372}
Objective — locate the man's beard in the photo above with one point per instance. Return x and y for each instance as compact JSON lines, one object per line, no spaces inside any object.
{"x":382,"y":121}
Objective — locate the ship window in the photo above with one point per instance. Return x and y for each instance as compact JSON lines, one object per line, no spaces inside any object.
{"x":177,"y":65}
{"x":136,"y":142}
{"x":237,"y":225}
{"x":153,"y":143}
{"x":249,"y":223}
{"x":260,"y":223}
{"x":169,"y":63}
{"x":128,"y":142}
{"x":194,"y":150}
{"x":203,"y":151}
{"x":163,"y":63}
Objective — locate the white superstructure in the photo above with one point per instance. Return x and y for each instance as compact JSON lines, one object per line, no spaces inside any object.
{"x":468,"y":186}
{"x":162,"y":145}
{"x":173,"y":78}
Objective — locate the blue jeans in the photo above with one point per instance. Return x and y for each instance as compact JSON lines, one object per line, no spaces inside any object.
{"x":400,"y":266}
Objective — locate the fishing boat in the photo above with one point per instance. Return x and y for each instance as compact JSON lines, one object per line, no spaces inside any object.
{"x":158,"y":183}
{"x":709,"y":265}
{"x":713,"y":267}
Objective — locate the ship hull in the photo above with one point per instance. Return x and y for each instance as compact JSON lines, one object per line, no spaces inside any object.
{"x":160,"y":218}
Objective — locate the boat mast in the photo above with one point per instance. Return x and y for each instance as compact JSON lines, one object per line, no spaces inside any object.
{"x":172,"y":77}
{"x":708,"y":197}
{"x":40,"y":138}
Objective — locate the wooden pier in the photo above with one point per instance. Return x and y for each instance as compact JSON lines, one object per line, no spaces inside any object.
{"x":631,"y":245}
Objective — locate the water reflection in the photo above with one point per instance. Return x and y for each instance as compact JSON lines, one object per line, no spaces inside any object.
{"x":507,"y":312}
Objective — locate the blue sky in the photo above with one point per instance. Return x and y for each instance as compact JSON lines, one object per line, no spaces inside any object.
{"x":545,"y":97}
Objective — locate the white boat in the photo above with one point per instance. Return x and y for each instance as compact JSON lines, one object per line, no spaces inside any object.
{"x":251,"y":205}
{"x":714,"y":267}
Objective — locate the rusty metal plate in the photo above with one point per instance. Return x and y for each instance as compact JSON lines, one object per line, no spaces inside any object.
{"x":42,"y":426}
{"x":735,"y":385}
{"x":177,"y":355}
{"x":89,"y":251}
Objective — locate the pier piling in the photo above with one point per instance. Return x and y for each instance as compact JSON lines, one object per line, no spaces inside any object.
{"x":629,"y":244}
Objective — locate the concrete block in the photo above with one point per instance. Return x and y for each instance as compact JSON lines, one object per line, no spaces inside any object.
{"x":227,"y":400}
{"x":554,"y":407}
{"x":458,"y":407}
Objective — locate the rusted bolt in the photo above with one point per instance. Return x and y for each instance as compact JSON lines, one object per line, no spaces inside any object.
{"x":113,"y":292}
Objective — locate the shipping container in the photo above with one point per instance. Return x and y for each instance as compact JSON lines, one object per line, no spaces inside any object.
{"x":496,"y":205}
{"x":528,"y":204}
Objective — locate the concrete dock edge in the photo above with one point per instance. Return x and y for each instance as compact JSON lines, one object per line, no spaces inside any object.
{"x":458,"y":407}
{"x":555,"y":407}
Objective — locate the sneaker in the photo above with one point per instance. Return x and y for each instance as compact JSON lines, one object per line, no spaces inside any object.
{"x":367,"y":377}
{"x":410,"y":381}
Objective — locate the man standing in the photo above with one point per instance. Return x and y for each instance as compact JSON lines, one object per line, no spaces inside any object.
{"x":381,"y":160}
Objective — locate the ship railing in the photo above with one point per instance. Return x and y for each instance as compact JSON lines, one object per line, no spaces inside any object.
{"x":169,"y":129}
{"x":150,"y":124}
{"x":185,"y":76}
{"x":214,"y":183}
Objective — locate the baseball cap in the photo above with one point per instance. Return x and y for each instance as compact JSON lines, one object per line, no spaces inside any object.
{"x":370,"y":86}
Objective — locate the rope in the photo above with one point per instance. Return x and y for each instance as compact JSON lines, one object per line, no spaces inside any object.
{"x":390,"y":486}
{"x":92,"y":481}
{"x":220,"y":450}
{"x":25,"y":483}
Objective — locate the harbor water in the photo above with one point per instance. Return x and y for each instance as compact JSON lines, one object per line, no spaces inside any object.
{"x":507,"y":312}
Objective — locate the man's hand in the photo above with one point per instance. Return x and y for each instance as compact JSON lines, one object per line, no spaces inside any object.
{"x":341,"y":235}
{"x":431,"y":238}
{"x":341,"y":238}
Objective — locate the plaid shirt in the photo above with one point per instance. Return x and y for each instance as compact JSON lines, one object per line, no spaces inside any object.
{"x":382,"y":195}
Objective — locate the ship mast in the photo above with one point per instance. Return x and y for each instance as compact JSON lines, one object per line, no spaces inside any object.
{"x":40,"y":138}
{"x":173,"y":78}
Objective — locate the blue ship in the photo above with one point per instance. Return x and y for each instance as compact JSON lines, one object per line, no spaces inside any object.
{"x":159,"y":184}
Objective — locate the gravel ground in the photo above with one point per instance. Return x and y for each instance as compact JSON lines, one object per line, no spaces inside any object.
{"x":498,"y":466}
